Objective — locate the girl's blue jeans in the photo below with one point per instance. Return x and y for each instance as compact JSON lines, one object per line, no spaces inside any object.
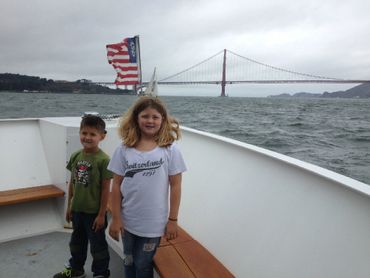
{"x":81,"y":235}
{"x":138,"y":252}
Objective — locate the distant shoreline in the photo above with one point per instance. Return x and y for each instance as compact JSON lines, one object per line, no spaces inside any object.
{"x":32,"y":84}
{"x":361,"y":91}
{"x":67,"y":93}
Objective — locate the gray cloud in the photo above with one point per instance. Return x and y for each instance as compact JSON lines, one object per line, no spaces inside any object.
{"x":66,"y":39}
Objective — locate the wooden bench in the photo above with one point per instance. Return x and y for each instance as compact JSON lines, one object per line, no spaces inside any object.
{"x":22,"y":195}
{"x":184,"y":257}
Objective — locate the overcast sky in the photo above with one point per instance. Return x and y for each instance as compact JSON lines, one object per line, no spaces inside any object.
{"x":66,"y":39}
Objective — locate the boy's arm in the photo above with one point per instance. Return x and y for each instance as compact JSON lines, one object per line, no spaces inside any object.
{"x":99,"y":222}
{"x":175,"y":197}
{"x":69,"y":198}
{"x":104,"y":197}
{"x":116,"y":226}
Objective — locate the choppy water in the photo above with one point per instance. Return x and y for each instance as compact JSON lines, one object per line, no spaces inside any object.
{"x":332,"y":133}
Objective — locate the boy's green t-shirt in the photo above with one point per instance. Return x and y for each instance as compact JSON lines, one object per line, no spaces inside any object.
{"x":88,"y":170}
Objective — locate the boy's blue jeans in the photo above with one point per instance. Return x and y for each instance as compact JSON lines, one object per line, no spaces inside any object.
{"x":81,"y":235}
{"x":139,"y":253}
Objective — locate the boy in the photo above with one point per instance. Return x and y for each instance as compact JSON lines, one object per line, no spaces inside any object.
{"x":87,"y":201}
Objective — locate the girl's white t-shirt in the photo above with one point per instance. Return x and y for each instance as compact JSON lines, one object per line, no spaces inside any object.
{"x":145,"y":186}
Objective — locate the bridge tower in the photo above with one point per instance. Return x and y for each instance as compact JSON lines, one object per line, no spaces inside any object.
{"x":223,"y":82}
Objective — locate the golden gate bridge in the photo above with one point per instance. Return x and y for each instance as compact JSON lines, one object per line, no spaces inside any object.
{"x":227,"y":67}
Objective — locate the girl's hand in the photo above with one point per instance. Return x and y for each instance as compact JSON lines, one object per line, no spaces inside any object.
{"x":116,"y":229}
{"x":171,"y":229}
{"x":99,"y":223}
{"x":68,"y":215}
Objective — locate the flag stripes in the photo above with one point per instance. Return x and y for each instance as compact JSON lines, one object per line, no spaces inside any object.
{"x":122,"y":56}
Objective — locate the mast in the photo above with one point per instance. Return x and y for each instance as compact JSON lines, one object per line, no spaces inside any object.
{"x":223,"y":82}
{"x":137,"y":43}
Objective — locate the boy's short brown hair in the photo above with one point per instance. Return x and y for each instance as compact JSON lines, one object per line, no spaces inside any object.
{"x":93,"y":121}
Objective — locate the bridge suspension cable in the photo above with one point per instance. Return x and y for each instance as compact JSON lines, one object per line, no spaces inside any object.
{"x":305,"y":75}
{"x":190,"y":68}
{"x":239,"y":69}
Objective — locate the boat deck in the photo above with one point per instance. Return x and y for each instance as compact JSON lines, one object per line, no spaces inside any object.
{"x":44,"y":255}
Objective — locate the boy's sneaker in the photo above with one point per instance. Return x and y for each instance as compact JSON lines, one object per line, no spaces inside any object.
{"x":106,"y":275}
{"x":70,"y":273}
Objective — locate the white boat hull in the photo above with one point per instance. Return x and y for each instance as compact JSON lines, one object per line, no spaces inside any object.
{"x":267,"y":215}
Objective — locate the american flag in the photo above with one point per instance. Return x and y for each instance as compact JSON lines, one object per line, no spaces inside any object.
{"x":124,"y":58}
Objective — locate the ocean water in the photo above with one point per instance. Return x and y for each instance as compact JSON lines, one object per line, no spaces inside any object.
{"x":331,"y":133}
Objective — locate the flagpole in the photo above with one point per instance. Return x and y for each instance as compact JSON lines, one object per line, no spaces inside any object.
{"x":139,"y":58}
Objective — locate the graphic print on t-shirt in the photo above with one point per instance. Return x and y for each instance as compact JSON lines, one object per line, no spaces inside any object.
{"x":147,"y":167}
{"x":82,"y":172}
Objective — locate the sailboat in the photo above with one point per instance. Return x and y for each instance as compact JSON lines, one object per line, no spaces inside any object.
{"x":152,"y":88}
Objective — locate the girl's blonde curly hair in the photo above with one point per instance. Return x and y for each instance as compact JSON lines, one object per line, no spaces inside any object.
{"x":129,"y":131}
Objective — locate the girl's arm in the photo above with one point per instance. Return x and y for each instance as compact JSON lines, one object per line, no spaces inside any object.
{"x":99,"y":222}
{"x":175,"y":197}
{"x":116,"y":227}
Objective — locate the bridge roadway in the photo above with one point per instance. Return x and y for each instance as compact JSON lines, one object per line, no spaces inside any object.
{"x":337,"y":81}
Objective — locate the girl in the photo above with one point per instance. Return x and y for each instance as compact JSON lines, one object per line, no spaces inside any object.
{"x":147,"y":166}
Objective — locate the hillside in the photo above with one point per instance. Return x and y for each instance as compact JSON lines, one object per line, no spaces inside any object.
{"x":360,"y":91}
{"x":24,"y":83}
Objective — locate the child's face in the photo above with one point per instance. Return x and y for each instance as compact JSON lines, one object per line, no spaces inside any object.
{"x":90,"y":138}
{"x":149,"y":122}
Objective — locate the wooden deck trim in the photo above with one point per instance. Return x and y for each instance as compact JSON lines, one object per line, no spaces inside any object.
{"x":185,"y":257}
{"x":168,"y":263}
{"x":28,"y":194}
